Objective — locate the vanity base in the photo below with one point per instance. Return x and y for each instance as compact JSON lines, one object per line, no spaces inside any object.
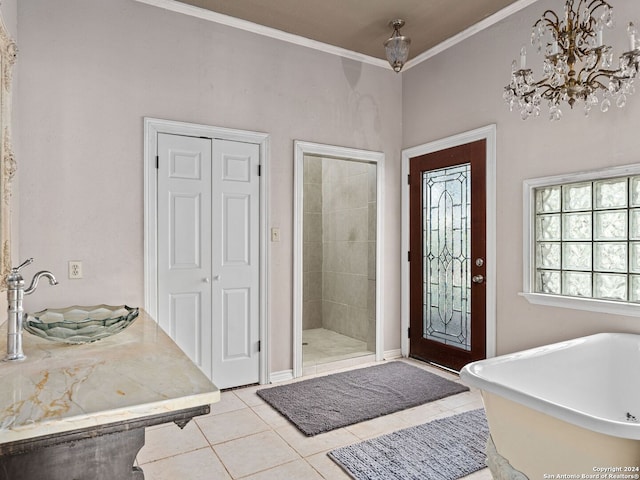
{"x":105,"y":452}
{"x":103,"y":457}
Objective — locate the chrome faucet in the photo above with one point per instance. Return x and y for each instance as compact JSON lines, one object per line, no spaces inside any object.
{"x":15,"y":294}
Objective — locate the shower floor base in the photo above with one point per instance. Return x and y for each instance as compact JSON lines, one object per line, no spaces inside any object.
{"x":324,"y":350}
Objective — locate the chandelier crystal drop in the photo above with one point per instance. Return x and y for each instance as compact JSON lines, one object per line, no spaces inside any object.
{"x":577,"y":65}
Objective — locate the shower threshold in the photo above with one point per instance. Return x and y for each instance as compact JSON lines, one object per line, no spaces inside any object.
{"x":321,"y":346}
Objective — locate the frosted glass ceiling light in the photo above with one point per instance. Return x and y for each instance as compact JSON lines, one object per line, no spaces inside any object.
{"x":577,"y":65}
{"x":397,"y":46}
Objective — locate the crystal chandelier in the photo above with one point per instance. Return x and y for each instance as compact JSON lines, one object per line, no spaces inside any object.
{"x":397,"y":46}
{"x":577,"y":65}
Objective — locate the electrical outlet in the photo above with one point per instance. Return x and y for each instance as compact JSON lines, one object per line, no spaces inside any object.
{"x":75,"y":269}
{"x":275,"y":234}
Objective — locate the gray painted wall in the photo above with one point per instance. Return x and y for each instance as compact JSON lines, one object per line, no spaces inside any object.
{"x":461,"y":89}
{"x":90,"y":70}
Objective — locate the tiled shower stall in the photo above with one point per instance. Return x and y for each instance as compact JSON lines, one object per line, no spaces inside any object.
{"x":339,"y":259}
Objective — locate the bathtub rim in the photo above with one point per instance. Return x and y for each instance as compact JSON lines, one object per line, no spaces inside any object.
{"x":471,"y":375}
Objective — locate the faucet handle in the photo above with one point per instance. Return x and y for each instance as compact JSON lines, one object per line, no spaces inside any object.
{"x":28,"y":261}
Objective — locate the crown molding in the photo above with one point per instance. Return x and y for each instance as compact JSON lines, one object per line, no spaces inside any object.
{"x":469,"y":32}
{"x":176,"y":6}
{"x":229,"y":21}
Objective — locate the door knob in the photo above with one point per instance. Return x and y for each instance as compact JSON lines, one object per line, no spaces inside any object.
{"x":206,"y":280}
{"x":477,"y":279}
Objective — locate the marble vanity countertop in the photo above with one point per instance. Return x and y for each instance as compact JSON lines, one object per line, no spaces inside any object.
{"x":136,"y":373}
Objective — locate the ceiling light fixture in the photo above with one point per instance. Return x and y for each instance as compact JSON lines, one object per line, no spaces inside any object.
{"x":397,"y":46}
{"x":577,"y":65}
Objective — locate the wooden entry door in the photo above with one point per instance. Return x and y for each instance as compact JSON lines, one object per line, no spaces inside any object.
{"x":447,"y":196}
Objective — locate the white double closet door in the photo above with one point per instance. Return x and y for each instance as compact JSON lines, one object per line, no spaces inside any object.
{"x":208,"y":254}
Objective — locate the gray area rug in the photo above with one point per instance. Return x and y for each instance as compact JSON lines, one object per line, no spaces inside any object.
{"x":325,"y":403}
{"x":443,"y":449}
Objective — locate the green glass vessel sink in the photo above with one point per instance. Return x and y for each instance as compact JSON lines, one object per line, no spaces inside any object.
{"x":80,"y":324}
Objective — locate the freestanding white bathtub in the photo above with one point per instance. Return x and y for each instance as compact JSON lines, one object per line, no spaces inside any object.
{"x":570,"y":410}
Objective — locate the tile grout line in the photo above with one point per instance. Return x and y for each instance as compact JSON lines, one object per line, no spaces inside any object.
{"x":213,"y":450}
{"x":269,"y":428}
{"x":142,"y":465}
{"x":466,"y":401}
{"x":303,"y":458}
{"x":270,"y":468}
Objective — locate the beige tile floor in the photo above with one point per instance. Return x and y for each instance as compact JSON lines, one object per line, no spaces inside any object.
{"x":320,"y":346}
{"x":244,"y":438}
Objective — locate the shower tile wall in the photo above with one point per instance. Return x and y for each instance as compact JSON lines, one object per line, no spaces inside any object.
{"x":312,"y":249}
{"x":348,"y":292}
{"x":339,"y":263}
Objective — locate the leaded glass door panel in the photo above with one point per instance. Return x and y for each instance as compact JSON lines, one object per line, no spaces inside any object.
{"x":447,"y":212}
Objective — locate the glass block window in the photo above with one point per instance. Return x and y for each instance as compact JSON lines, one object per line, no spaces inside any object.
{"x":587,"y":239}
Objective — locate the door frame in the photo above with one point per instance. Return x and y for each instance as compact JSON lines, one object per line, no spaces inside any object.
{"x":155,"y":126}
{"x":307,"y":148}
{"x":487,"y":133}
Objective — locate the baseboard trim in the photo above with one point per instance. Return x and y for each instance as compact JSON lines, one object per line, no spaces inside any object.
{"x":393,"y":354}
{"x":286,"y":375}
{"x":282,"y":376}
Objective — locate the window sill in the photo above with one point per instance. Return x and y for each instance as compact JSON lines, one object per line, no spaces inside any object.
{"x":589,"y":304}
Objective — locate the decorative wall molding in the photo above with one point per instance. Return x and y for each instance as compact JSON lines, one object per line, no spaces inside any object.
{"x":205,"y":14}
{"x":8,"y":166}
{"x":469,"y":32}
{"x":240,"y":24}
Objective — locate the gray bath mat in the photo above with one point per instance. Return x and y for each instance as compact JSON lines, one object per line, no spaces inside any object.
{"x":443,"y":449}
{"x":325,"y":403}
